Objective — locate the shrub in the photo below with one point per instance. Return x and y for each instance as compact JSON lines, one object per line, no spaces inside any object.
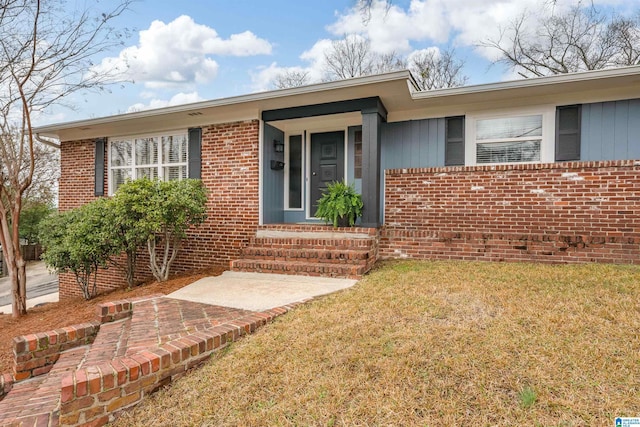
{"x":77,"y":241}
{"x":175,"y":206}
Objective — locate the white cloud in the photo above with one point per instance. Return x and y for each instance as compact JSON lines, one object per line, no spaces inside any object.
{"x":316,"y":55}
{"x":177,"y":99}
{"x":179,"y":53}
{"x":457,"y":22}
{"x":264,"y":77}
{"x":391,"y":29}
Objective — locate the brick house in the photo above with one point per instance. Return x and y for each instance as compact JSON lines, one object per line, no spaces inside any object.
{"x":544,"y":169}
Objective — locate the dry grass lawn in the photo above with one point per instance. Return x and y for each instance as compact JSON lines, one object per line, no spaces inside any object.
{"x":431,"y":344}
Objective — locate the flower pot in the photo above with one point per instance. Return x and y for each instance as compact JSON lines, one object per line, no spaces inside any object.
{"x":343,"y":221}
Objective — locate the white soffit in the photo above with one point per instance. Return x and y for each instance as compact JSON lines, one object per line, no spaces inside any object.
{"x":397,"y":91}
{"x":390,"y":87}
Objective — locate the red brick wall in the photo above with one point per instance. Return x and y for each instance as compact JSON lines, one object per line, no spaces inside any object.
{"x":561,"y":212}
{"x":230,"y":173}
{"x":77,"y":163}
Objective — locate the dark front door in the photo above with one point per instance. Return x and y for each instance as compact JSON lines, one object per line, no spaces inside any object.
{"x":327,"y":163}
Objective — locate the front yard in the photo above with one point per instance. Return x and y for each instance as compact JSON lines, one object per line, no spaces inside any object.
{"x":431,"y":343}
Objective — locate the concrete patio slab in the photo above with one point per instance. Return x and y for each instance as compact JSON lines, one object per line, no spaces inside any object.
{"x":258,"y":291}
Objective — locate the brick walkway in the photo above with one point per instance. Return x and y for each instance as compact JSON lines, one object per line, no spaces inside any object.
{"x":139,"y":347}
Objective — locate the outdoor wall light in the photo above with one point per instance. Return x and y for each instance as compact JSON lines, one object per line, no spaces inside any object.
{"x":278,"y":146}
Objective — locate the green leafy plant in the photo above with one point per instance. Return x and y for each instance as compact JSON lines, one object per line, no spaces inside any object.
{"x":128,"y":211}
{"x":77,"y":241}
{"x":30,"y":217}
{"x":176,"y":206}
{"x":340,"y":204}
{"x":147,"y":212}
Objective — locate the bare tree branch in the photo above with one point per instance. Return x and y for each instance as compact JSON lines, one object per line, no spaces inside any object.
{"x":352,"y":57}
{"x":433,"y":69}
{"x":582,"y":39}
{"x":46,"y":52}
{"x":291,"y":78}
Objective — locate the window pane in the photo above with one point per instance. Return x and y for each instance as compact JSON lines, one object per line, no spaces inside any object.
{"x":509,"y":127}
{"x":120,"y":154}
{"x":508,"y":152}
{"x":568,"y":118}
{"x":119,"y":177}
{"x":174,"y":149}
{"x":295,"y":172}
{"x":151,"y":173}
{"x":455,"y":126}
{"x":174,"y":172}
{"x":146,"y":151}
{"x":454,"y":144}
{"x":357,"y":150}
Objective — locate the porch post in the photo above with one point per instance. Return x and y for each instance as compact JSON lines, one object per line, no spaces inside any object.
{"x":371,"y":120}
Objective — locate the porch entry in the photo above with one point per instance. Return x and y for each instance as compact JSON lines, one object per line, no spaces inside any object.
{"x":326,"y":163}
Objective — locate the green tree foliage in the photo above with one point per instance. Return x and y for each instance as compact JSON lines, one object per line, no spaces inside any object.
{"x":176,"y":206}
{"x":142,"y":212}
{"x":78,"y":241}
{"x":128,"y":211}
{"x":30,"y":218}
{"x":158,"y":214}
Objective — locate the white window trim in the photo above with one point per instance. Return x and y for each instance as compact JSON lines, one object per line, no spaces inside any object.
{"x":547,"y":146}
{"x":132,"y":167}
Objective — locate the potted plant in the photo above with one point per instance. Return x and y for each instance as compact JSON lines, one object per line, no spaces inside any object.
{"x":340,"y":205}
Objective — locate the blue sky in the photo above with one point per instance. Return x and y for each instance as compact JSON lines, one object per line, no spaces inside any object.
{"x":186,"y":51}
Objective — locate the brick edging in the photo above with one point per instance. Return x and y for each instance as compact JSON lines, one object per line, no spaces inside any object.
{"x":121,"y":309}
{"x":6,"y":384}
{"x":35,"y":354}
{"x":97,"y":394}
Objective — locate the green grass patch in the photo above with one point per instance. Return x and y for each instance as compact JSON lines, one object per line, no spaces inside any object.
{"x":431,"y":343}
{"x":528,"y":397}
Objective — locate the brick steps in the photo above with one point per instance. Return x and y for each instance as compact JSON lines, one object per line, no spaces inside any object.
{"x":310,"y":250}
{"x":305,"y":254}
{"x":134,"y":348}
{"x":36,"y":401}
{"x":349,"y":271}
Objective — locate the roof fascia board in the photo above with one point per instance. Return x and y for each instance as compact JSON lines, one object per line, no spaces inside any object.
{"x":338,"y":107}
{"x":532,"y":82}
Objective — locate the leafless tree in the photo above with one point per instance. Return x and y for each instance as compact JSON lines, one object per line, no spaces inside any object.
{"x":291,"y":78}
{"x":584,"y":38}
{"x":388,"y":62}
{"x":46,"y":171}
{"x":366,"y":6}
{"x":352,"y":57}
{"x":46,"y":51}
{"x":434,"y":69}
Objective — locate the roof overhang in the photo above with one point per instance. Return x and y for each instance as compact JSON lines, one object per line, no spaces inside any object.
{"x":393,"y":89}
{"x":396,"y":91}
{"x":564,"y":89}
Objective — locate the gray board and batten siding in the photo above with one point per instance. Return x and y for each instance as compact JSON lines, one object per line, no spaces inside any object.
{"x":611,"y":131}
{"x":272,"y":180}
